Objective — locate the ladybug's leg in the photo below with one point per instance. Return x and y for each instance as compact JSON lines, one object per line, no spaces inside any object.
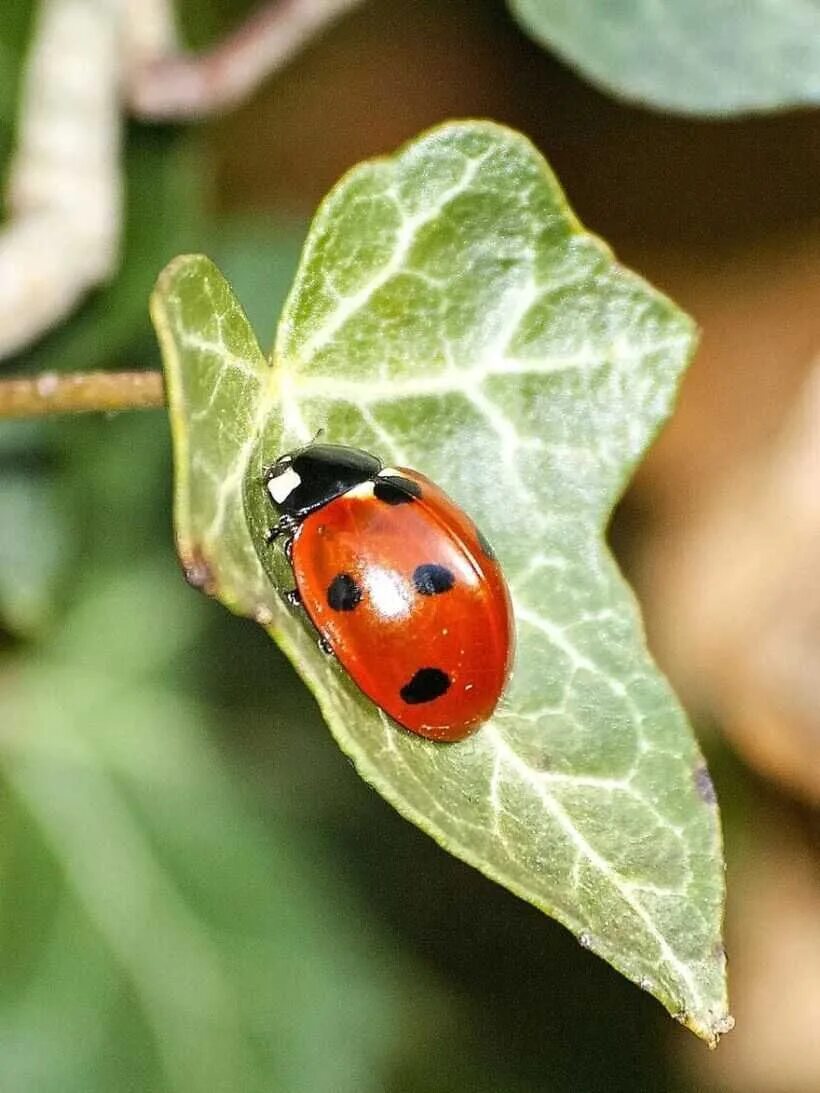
{"x":273,"y":533}
{"x":293,"y":597}
{"x":325,"y":646}
{"x":285,"y":525}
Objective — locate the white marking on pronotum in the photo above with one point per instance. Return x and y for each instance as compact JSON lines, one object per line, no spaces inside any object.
{"x":283,"y":485}
{"x":363,"y":490}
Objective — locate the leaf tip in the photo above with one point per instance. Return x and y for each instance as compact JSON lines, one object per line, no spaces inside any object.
{"x":709,"y":1029}
{"x":182,"y":268}
{"x":182,"y":263}
{"x":720,"y":1028}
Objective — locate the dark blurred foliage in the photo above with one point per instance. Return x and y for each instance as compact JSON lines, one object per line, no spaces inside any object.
{"x":199,"y":893}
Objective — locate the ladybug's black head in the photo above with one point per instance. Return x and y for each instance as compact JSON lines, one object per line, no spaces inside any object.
{"x":308,"y":478}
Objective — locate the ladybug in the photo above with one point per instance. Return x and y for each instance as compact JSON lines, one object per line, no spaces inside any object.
{"x":402,"y":587}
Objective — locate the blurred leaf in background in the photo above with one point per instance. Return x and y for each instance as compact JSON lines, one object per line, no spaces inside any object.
{"x":35,"y":548}
{"x":692,"y":56}
{"x":37,"y":538}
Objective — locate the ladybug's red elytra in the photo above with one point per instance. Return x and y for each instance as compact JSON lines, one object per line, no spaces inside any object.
{"x":401,"y":585}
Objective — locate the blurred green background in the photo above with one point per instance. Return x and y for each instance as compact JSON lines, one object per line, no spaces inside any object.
{"x":198,"y":893}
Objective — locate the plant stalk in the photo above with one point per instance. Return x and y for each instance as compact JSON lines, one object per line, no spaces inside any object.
{"x":80,"y":393}
{"x":184,"y":86}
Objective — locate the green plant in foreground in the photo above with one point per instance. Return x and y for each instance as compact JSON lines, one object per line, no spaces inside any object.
{"x":451,"y":314}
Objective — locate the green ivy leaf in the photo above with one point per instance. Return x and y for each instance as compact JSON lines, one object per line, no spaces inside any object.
{"x":692,"y":56}
{"x":451,"y":314}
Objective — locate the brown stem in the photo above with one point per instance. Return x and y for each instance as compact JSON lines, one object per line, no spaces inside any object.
{"x":195,"y":86}
{"x":80,"y":393}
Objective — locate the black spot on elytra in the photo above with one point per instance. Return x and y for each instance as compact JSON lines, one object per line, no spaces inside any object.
{"x":426,"y":684}
{"x":432,"y":579}
{"x":705,"y":788}
{"x":485,"y":545}
{"x":394,"y":489}
{"x":343,"y":594}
